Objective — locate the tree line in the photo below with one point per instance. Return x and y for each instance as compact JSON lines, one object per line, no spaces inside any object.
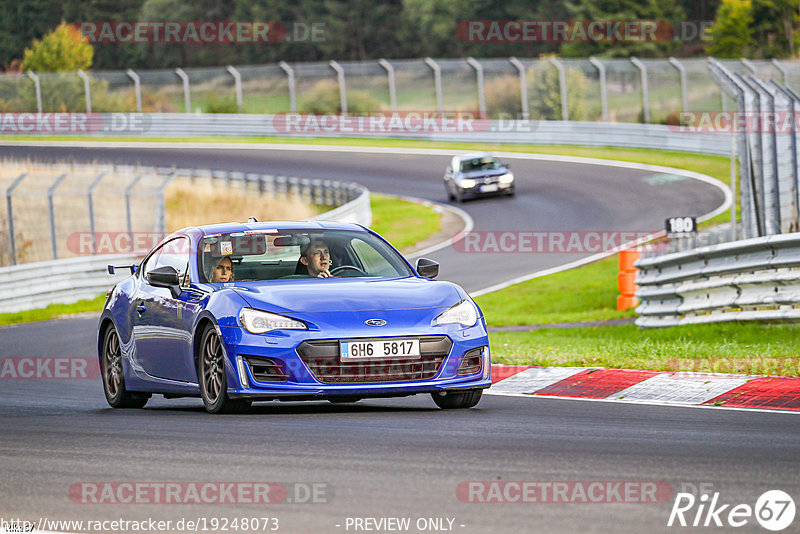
{"x":371,"y":29}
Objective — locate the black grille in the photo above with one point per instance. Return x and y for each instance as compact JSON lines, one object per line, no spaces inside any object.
{"x":322,"y":358}
{"x":265,"y":369}
{"x":471,"y":362}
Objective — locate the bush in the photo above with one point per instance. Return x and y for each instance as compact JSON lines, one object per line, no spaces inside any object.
{"x":324,"y":98}
{"x":216,"y":104}
{"x":503,"y":97}
{"x":544,"y":92}
{"x":63,"y":49}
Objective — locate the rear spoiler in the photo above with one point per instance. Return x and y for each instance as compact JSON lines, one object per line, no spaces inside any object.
{"x":112,"y":268}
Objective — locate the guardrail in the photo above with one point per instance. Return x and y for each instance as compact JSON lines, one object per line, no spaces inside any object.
{"x":38,"y":284}
{"x":450,"y":129}
{"x":748,"y":280}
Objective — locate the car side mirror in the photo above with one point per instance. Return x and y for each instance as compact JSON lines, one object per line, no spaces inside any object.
{"x":427,"y":268}
{"x":165,"y":276}
{"x":449,"y":170}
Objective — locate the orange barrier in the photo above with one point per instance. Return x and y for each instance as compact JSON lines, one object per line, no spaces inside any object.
{"x":626,"y":279}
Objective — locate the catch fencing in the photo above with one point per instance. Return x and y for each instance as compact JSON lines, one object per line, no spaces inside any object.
{"x":550,"y":88}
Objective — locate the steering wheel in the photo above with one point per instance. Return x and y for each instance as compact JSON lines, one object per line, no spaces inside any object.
{"x":341,"y":268}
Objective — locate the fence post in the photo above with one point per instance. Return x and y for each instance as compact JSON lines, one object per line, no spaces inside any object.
{"x":128,"y":202}
{"x":749,"y":66}
{"x":37,"y":88}
{"x":601,"y":70}
{"x":86,"y":89}
{"x":562,"y":85}
{"x":237,"y":80}
{"x":784,"y":71}
{"x":342,"y":86}
{"x":187,"y":97}
{"x":137,"y":87}
{"x":161,"y":217}
{"x":796,"y":100}
{"x":759,"y":195}
{"x":792,"y":110}
{"x":645,"y":89}
{"x":523,"y":87}
{"x":749,"y":207}
{"x":392,"y":87}
{"x":774,"y":223}
{"x":290,"y":79}
{"x":481,"y":90}
{"x":10,"y":211}
{"x":684,"y":84}
{"x":437,"y":83}
{"x":89,"y":193}
{"x":50,"y":191}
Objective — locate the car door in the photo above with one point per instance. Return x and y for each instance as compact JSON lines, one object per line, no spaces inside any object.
{"x":163,"y":323}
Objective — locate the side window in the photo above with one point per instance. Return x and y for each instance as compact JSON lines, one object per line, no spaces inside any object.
{"x":174,"y":253}
{"x":371,"y":259}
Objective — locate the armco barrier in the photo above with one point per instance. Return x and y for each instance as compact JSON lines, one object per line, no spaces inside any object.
{"x":634,"y":135}
{"x":752,"y":279}
{"x":35,"y":285}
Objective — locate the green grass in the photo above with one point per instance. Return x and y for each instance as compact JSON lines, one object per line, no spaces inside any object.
{"x":588,"y":293}
{"x":721,"y":348}
{"x":403,"y":223}
{"x":54,"y":311}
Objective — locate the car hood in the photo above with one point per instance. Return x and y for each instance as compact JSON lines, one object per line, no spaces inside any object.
{"x":348,"y":294}
{"x":482,"y":174}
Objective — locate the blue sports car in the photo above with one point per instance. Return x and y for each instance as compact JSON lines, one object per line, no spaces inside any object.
{"x":236,"y":313}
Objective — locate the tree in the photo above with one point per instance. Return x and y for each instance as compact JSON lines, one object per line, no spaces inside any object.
{"x":732,"y":33}
{"x":667,"y":11}
{"x":62,"y":49}
{"x":773,"y":27}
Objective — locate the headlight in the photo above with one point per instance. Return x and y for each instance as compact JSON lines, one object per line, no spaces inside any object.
{"x":259,"y":322}
{"x":467,"y":183}
{"x":463,"y":313}
{"x":507,"y":178}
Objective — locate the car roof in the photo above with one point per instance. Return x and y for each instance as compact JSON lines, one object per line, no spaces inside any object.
{"x":224,"y":228}
{"x":475,"y":155}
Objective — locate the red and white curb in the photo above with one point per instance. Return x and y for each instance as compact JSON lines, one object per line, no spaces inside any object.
{"x":652,"y":387}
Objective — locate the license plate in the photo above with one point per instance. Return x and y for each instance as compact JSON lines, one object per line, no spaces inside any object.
{"x":490,"y":188}
{"x":383,"y":348}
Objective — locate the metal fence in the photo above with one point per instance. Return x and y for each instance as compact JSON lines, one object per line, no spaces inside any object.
{"x":60,"y":211}
{"x":593,"y":89}
{"x":753,"y":279}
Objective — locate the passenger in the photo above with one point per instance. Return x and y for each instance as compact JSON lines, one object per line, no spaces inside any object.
{"x":223,"y":272}
{"x":317,"y":258}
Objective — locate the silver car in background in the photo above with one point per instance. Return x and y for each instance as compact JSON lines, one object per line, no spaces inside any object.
{"x":477,"y":174}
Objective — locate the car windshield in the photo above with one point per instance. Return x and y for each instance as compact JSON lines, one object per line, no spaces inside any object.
{"x":276,"y":254}
{"x":480,"y":164}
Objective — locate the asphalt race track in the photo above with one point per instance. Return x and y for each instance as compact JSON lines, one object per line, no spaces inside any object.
{"x":396,"y":458}
{"x":551,"y":196}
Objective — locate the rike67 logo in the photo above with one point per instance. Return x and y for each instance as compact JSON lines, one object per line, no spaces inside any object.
{"x":774,"y":510}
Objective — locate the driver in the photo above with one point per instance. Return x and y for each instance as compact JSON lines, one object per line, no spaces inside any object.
{"x":317,"y":258}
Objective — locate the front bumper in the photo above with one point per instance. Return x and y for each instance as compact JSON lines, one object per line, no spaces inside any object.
{"x":474,"y":192}
{"x":301,"y":383}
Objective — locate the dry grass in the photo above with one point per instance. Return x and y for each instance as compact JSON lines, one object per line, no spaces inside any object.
{"x":203,"y":203}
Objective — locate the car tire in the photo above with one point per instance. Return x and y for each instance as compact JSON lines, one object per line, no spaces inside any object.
{"x":114,"y":377}
{"x":459,"y":196}
{"x":457,"y":400}
{"x":212,"y":377}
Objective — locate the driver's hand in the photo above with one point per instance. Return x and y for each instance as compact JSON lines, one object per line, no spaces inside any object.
{"x":325,"y":274}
